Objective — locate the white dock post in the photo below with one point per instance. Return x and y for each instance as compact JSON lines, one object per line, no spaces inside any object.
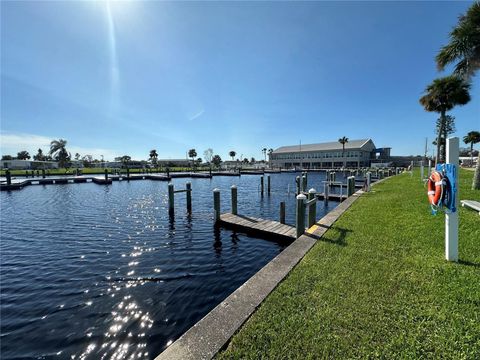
{"x":312,"y":209}
{"x":234,"y":199}
{"x":451,"y":219}
{"x":300,"y":223}
{"x":216,"y":204}
{"x":326,"y":190}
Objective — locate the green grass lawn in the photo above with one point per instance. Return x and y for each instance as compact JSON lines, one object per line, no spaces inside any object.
{"x":377,"y":286}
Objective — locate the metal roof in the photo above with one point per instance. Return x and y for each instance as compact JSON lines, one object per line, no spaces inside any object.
{"x":334,"y":145}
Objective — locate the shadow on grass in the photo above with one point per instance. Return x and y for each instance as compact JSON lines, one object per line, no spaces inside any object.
{"x":339,"y":239}
{"x":469,"y":263}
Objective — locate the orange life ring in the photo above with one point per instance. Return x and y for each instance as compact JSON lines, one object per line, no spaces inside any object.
{"x":436,"y":184}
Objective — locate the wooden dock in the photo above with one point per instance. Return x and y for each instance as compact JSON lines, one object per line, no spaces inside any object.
{"x":257,"y":226}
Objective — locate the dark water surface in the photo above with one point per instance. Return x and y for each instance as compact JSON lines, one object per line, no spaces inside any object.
{"x":98,"y":272}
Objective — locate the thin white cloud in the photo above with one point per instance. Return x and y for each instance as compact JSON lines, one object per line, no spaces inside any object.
{"x":12,"y":143}
{"x":197,"y":115}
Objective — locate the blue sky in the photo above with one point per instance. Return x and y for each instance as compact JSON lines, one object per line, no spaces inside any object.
{"x":117,"y":78}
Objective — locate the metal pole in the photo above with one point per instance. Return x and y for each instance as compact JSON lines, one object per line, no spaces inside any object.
{"x":282,"y":212}
{"x":234,"y":199}
{"x":300,"y":223}
{"x":312,"y":209}
{"x":171,"y":199}
{"x":216,"y":204}
{"x":268,"y":184}
{"x":189,"y":197}
{"x":451,"y":219}
{"x":304,"y":183}
{"x":429,"y":167}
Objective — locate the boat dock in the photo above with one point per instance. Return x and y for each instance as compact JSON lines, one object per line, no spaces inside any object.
{"x":258,"y":226}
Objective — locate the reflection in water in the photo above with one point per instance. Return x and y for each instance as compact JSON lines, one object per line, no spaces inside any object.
{"x":235,"y":240}
{"x":217,"y":244}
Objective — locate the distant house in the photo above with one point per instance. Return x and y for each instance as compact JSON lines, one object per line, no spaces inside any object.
{"x":174,"y":162}
{"x":27,"y":164}
{"x":329,"y":155}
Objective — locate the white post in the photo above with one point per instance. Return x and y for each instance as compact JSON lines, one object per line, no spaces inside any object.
{"x":429,"y":167}
{"x":451,"y":220}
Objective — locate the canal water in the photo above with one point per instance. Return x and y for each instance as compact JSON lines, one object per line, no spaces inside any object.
{"x":102,"y":272}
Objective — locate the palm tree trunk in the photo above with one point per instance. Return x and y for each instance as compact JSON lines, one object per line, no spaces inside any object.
{"x":439,"y":137}
{"x":444,"y":149}
{"x":476,"y":176}
{"x":471,"y":153}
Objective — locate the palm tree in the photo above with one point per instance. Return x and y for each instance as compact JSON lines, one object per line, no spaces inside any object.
{"x":264,"y":152}
{"x":442,"y":95}
{"x":471,"y":138}
{"x":59,"y":152}
{"x":192,"y":153}
{"x":39,"y":156}
{"x":153,"y":157}
{"x":270,"y":152}
{"x":464,"y":45}
{"x":232,"y":154}
{"x":343,"y":141}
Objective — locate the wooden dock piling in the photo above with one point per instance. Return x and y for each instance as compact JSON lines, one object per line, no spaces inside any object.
{"x":216,"y":205}
{"x":326,"y":191}
{"x":300,"y":221}
{"x":8,"y":175}
{"x":189,"y":196}
{"x":282,"y":212}
{"x":171,"y":199}
{"x":234,"y":199}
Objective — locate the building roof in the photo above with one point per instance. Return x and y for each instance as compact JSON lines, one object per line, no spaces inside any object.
{"x":334,"y":145}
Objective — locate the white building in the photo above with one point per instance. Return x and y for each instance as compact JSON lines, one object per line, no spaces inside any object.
{"x":358,"y":153}
{"x":16,"y":164}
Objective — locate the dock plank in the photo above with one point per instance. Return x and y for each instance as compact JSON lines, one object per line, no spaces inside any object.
{"x":251,"y":225}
